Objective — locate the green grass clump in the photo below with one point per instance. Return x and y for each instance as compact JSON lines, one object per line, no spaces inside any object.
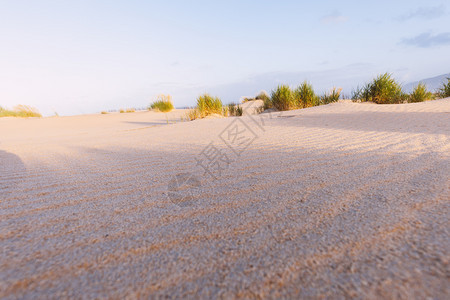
{"x":333,"y":96}
{"x":239,"y":111}
{"x":444,"y":90}
{"x":267,"y":104}
{"x":234,"y":110}
{"x":381,"y":90}
{"x":21,"y":111}
{"x":265,"y":98}
{"x":357,"y":94}
{"x":207,"y":105}
{"x":262,"y":96}
{"x":163,"y":103}
{"x":283,"y":98}
{"x":304,"y":96}
{"x":420,"y":94}
{"x":192,"y":114}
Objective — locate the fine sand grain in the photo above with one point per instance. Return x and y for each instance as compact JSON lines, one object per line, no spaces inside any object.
{"x":337,"y":201}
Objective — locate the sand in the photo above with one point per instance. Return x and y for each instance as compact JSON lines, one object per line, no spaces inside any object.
{"x":338,"y":201}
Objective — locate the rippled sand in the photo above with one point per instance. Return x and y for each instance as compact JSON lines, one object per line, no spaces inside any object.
{"x":344,"y":200}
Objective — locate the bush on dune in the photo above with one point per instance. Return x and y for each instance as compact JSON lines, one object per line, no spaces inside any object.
{"x":331,"y":97}
{"x":305,"y":96}
{"x":207,"y":105}
{"x":357,"y":94}
{"x":283,"y":98}
{"x":233,"y":110}
{"x":381,"y":90}
{"x":264,"y":96}
{"x":420,"y":94}
{"x":163,"y":103}
{"x":192,"y":114}
{"x":22,"y":111}
{"x":444,"y":90}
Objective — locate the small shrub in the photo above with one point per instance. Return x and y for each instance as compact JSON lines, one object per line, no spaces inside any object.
{"x":234,"y":110}
{"x":104,"y":112}
{"x":231,"y":109}
{"x":444,"y":90}
{"x":208,"y":105}
{"x":21,"y":111}
{"x":130,"y":110}
{"x":239,"y":111}
{"x":267,"y":104}
{"x":304,"y":96}
{"x":262,"y":96}
{"x":192,"y":114}
{"x":357,"y":94}
{"x":163,"y":103}
{"x":420,"y":94}
{"x":226,"y":110}
{"x":333,"y":96}
{"x":122,"y":111}
{"x":283,"y":98}
{"x":382,"y":90}
{"x":265,"y":98}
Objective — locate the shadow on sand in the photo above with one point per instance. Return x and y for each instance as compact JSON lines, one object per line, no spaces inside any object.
{"x":11,"y":170}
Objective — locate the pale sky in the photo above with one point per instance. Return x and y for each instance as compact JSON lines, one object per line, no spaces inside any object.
{"x":74,"y":57}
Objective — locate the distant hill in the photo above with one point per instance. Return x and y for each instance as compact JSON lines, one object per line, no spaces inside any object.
{"x":432,"y":83}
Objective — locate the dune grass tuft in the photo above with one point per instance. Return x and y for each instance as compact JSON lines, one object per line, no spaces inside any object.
{"x":283,"y":98}
{"x":420,"y":94}
{"x":331,"y":97}
{"x":192,"y":114}
{"x":234,"y":110}
{"x":444,"y":90}
{"x":21,"y":111}
{"x":381,"y":90}
{"x":265,"y":97}
{"x":207,"y":105}
{"x":305,"y":96}
{"x":163,"y":103}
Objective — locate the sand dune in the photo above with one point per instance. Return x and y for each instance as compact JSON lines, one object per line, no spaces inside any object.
{"x":342,"y":200}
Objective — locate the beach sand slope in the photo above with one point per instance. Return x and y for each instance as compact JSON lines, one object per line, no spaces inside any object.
{"x":338,"y":201}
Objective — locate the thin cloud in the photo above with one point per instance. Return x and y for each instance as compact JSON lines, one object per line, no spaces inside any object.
{"x":427,"y":40}
{"x":334,"y":17}
{"x":431,"y":12}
